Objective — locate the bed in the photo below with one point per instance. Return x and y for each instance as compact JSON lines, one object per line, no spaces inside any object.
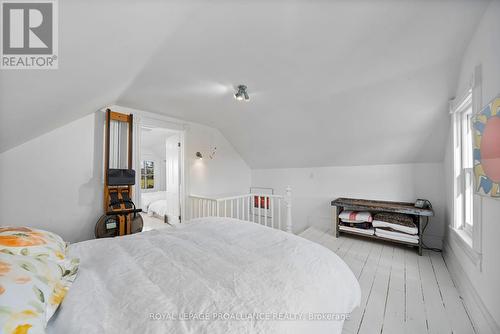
{"x":158,"y":208}
{"x":210,"y":275}
{"x":149,"y":197}
{"x":155,"y":204}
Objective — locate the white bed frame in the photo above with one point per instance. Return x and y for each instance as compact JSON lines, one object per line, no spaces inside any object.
{"x":269,"y":209}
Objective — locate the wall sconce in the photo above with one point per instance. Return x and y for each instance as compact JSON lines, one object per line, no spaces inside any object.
{"x":212,"y":153}
{"x":198,"y":155}
{"x":241,"y":94}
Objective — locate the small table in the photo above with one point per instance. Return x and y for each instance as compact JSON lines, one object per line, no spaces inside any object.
{"x":381,"y":206}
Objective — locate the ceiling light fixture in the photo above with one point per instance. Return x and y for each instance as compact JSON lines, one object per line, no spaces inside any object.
{"x":241,"y":94}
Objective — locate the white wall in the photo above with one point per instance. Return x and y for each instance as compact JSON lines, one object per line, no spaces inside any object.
{"x":484,"y":49}
{"x":314,"y":188}
{"x":54,"y":181}
{"x":226,"y":174}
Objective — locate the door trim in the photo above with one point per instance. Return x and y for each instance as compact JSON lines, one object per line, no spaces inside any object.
{"x":158,"y":122}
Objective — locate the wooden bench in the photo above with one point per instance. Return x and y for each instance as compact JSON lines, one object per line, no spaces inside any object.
{"x":419,"y":214}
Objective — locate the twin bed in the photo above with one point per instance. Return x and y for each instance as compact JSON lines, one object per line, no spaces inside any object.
{"x":154,"y":203}
{"x":210,"y":275}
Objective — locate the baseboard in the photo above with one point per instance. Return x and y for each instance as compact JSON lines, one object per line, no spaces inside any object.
{"x":481,"y":318}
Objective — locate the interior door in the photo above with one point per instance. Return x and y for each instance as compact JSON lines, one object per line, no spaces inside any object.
{"x":173,"y":183}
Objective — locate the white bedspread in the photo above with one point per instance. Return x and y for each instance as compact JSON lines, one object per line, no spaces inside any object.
{"x":158,"y":207}
{"x":149,"y":197}
{"x":204,"y":268}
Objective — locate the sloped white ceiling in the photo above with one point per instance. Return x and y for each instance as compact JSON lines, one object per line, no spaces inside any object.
{"x":335,"y":82}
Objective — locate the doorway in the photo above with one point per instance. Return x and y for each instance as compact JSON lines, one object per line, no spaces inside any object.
{"x":160,"y":174}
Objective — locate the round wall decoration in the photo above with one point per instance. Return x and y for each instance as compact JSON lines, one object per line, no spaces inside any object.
{"x":486,"y":127}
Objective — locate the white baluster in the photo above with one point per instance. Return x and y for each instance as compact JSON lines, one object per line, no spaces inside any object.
{"x":288,"y":199}
{"x":271,"y":210}
{"x":260,"y":211}
{"x":279,"y":213}
{"x":238,"y":208}
{"x":252,"y":203}
{"x":247,"y":210}
{"x":265,"y":210}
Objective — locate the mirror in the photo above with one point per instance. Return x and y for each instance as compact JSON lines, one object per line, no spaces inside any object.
{"x":118,"y":144}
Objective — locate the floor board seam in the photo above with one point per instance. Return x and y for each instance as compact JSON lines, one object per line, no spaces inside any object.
{"x":405,"y":306}
{"x":387,"y":292}
{"x":364,"y":263}
{"x":437,"y":282}
{"x":369,"y":294}
{"x":423,"y":296}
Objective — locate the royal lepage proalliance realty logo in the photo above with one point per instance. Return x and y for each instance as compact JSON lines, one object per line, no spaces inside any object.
{"x":29,"y":35}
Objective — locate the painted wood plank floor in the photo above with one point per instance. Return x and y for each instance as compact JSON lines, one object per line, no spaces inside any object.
{"x":401,"y":291}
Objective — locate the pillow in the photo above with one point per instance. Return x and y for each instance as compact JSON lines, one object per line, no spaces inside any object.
{"x":360,"y":216}
{"x":31,"y":290}
{"x":32,"y":242}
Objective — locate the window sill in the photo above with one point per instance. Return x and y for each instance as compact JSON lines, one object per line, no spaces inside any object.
{"x":464,"y":241}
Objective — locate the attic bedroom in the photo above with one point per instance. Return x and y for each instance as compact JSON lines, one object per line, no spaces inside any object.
{"x":250,"y":166}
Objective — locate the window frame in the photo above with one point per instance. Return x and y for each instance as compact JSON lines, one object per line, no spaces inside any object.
{"x":467,"y":237}
{"x":463,"y":160}
{"x":145,"y":174}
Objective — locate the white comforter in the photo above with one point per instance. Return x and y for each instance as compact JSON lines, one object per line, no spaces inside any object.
{"x":213,"y":269}
{"x":158,"y":207}
{"x":149,"y":197}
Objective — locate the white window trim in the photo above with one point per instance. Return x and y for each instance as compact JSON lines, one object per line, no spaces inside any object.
{"x":469,"y":241}
{"x":155,"y":170}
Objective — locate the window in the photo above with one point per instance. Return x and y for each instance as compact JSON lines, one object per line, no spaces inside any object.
{"x":147,"y":174}
{"x":463,"y":164}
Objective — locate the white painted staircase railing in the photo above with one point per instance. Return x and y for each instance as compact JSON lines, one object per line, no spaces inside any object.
{"x":263,"y":209}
